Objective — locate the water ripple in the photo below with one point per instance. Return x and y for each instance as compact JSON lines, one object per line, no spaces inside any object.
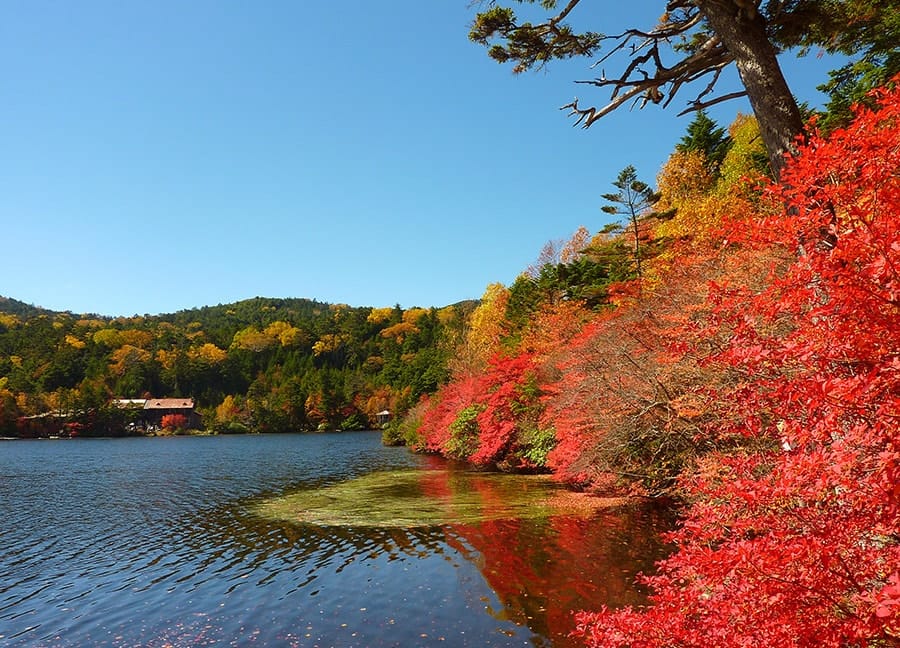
{"x":155,"y":542}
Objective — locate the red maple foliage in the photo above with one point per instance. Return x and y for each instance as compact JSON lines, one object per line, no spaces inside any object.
{"x":792,"y":536}
{"x":497,"y":399}
{"x":442,"y":409}
{"x":504,"y":397}
{"x":174,"y":422}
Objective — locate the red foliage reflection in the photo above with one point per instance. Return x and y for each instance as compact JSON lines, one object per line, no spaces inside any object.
{"x":545,"y":569}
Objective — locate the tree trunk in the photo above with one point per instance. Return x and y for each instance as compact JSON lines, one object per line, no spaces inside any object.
{"x":637,"y":243}
{"x":743,"y":32}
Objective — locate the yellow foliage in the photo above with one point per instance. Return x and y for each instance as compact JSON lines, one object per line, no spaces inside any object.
{"x":701,"y":204}
{"x":16,"y":360}
{"x":328,"y":343}
{"x":379,"y":315}
{"x":413,"y":315}
{"x":125,"y":357}
{"x":54,"y":401}
{"x":58,"y":325}
{"x":228,"y":410}
{"x":747,"y":148}
{"x":136,"y":338}
{"x":683,"y":177}
{"x":486,"y":330}
{"x":292,"y":337}
{"x":447,"y":315}
{"x":166,"y":359}
{"x":252,"y":339}
{"x":275,"y":329}
{"x":399,"y":331}
{"x":8,"y":321}
{"x":698,"y":216}
{"x":286,"y":334}
{"x":208,"y":353}
{"x":74,"y":342}
{"x":108,"y":337}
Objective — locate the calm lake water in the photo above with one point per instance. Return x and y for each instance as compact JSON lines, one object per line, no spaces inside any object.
{"x":161,"y":542}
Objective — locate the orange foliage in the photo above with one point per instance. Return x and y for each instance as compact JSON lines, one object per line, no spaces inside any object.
{"x":575,"y":246}
{"x":553,"y":326}
{"x":174,"y":422}
{"x":136,"y":338}
{"x":126,"y":357}
{"x":399,"y":331}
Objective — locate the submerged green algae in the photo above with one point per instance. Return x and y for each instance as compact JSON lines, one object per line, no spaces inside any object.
{"x":419,"y":498}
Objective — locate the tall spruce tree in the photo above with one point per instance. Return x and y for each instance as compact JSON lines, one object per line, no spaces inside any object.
{"x":705,"y":136}
{"x":634,"y":200}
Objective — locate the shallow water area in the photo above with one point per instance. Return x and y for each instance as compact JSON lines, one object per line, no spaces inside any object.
{"x":297,"y":540}
{"x":425,"y":497}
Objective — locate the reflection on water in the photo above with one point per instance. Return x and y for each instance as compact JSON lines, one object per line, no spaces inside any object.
{"x":429,"y":496}
{"x":159,"y":542}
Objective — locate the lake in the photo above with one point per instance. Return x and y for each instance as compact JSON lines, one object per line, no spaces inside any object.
{"x":297,"y":540}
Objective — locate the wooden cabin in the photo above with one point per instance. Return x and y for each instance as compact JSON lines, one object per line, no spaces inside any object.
{"x":156,"y":408}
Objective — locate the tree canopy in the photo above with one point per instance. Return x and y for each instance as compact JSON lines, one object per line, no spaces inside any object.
{"x":692,"y":43}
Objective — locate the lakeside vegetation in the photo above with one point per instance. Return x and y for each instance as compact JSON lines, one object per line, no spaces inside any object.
{"x":266,"y":365}
{"x":733,"y":342}
{"x":751,"y":372}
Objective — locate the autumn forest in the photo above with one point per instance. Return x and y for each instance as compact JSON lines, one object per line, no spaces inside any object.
{"x":730,"y":342}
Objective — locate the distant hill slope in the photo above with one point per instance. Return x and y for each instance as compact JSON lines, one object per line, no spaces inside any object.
{"x":12,"y":306}
{"x":265,"y":364}
{"x":245,"y":310}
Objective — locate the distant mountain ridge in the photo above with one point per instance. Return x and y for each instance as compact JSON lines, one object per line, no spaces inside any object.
{"x":11,"y":306}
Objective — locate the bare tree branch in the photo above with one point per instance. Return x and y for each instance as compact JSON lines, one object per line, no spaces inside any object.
{"x":702,"y":105}
{"x":709,"y":58}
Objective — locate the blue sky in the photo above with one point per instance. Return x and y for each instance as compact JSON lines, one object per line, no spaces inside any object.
{"x":164,"y":155}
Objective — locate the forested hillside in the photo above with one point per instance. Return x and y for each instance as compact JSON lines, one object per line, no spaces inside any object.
{"x":748,"y":366}
{"x":260,"y":364}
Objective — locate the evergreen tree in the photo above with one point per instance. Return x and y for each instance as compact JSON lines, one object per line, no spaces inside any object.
{"x":634,"y":199}
{"x":705,"y":136}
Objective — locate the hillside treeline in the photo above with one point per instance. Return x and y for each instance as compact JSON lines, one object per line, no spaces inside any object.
{"x":262,"y":364}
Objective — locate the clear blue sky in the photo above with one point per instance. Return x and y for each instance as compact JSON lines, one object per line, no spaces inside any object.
{"x":162,"y":155}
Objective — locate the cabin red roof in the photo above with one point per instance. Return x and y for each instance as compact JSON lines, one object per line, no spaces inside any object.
{"x":169,"y":403}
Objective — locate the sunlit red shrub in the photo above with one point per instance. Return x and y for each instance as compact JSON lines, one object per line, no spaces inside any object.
{"x":174,"y":422}
{"x":792,"y":537}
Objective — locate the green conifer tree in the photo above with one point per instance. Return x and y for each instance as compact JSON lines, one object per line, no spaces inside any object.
{"x":705,"y":136}
{"x":635,"y":200}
